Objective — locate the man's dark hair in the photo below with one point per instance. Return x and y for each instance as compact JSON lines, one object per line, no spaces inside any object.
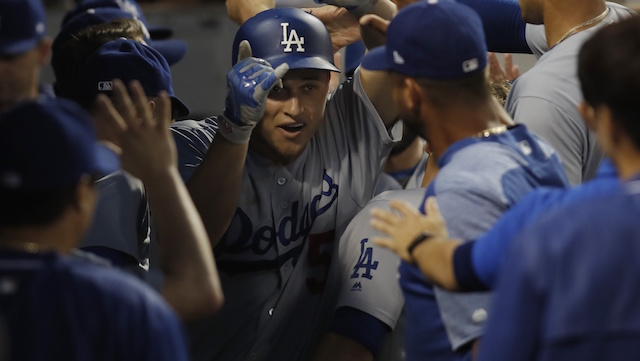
{"x":73,"y":54}
{"x":33,"y":208}
{"x":609,"y":73}
{"x":471,"y":90}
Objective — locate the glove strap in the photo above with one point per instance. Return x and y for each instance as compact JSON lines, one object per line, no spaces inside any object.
{"x":238,"y":134}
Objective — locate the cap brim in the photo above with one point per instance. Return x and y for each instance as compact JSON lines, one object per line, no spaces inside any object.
{"x":303,"y":62}
{"x":18,"y":47}
{"x":179,"y":108}
{"x":376,"y":59}
{"x":158,"y":32}
{"x":107,"y":161}
{"x":173,"y":50}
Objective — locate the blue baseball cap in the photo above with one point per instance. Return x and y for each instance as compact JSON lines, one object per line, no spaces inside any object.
{"x":433,"y":39}
{"x":22,"y":25}
{"x":48,"y":144}
{"x":128,"y":60}
{"x":173,"y":50}
{"x":130,"y":6}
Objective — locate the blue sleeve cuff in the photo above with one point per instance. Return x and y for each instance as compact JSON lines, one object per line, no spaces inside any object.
{"x":466,"y":276}
{"x":360,"y":327}
{"x":504,"y":28}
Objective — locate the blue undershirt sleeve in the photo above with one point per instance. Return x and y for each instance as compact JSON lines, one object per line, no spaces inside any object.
{"x":464,"y":272}
{"x":360,"y":327}
{"x":503,"y":25}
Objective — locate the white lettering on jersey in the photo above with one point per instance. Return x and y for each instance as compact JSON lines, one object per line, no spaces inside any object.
{"x":291,"y":38}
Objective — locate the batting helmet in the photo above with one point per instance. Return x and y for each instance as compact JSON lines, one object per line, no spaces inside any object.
{"x":303,"y":41}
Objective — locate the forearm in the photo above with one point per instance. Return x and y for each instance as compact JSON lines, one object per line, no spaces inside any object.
{"x":373,"y":36}
{"x":215,"y":186}
{"x":191,"y":283}
{"x":241,"y":10}
{"x":435,"y":260}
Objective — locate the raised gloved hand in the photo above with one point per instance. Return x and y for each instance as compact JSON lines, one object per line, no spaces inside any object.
{"x":355,"y":7}
{"x":248,"y":85}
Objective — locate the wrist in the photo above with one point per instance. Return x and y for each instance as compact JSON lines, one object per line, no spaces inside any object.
{"x":417,"y":241}
{"x":235,"y":133}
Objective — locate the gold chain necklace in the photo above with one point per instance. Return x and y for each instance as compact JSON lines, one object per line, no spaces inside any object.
{"x":495,"y":130}
{"x":578,"y":27}
{"x":28,"y":247}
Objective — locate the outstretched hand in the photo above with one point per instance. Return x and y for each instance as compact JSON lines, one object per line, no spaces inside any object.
{"x":355,"y":7}
{"x":498,"y":74}
{"x":342,"y":26}
{"x":145,"y":143}
{"x":249,"y":83}
{"x":408,"y":223}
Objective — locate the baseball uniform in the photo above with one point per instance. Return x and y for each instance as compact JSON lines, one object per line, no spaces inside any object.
{"x":479,"y":179}
{"x":275,"y":258}
{"x":546,"y":97}
{"x":58,"y":308}
{"x":570,"y":287}
{"x":477,"y":264}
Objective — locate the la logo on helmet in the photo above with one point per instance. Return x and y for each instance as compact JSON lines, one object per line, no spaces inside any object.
{"x":291,"y":38}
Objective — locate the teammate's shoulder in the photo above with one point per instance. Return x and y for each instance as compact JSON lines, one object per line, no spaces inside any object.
{"x":190,"y":125}
{"x":108,"y":283}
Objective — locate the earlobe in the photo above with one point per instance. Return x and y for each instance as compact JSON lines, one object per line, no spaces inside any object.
{"x":413,"y":94}
{"x":588,"y":114}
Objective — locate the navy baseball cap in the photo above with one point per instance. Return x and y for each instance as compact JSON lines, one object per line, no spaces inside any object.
{"x":49,"y":144}
{"x":157,"y":32}
{"x":433,"y":39}
{"x":172,"y":49}
{"x":22,"y":25}
{"x":128,"y":60}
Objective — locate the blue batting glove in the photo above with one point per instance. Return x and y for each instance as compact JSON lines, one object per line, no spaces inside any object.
{"x":248,"y":85}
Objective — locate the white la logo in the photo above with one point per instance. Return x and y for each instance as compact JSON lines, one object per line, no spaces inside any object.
{"x":291,"y":39}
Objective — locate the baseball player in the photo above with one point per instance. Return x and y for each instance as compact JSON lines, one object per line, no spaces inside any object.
{"x":569,"y":290}
{"x":440,"y":85}
{"x":24,"y":49}
{"x":475,"y":265}
{"x":546,"y":97}
{"x":60,"y":308}
{"x":294,"y":168}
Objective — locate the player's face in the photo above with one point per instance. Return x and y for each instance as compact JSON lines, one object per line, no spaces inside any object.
{"x":531,"y":11}
{"x":292,"y":115}
{"x":405,"y":98}
{"x":19,"y":75}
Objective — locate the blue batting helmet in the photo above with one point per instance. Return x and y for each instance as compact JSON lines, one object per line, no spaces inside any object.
{"x":287,"y":35}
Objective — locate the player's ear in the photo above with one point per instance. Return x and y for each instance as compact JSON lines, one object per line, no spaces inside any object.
{"x":588,"y":114}
{"x":412,"y":93}
{"x":44,"y":49}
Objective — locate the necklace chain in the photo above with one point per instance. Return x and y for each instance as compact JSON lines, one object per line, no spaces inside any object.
{"x":578,"y":27}
{"x":28,"y":247}
{"x":495,"y":130}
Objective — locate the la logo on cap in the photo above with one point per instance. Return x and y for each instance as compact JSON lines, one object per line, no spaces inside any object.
{"x":291,"y":38}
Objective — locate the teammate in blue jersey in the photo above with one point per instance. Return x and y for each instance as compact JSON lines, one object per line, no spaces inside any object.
{"x":56,"y":307}
{"x":569,"y":289}
{"x":441,"y":88}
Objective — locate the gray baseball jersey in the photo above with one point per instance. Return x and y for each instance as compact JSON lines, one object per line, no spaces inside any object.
{"x":546,"y":98}
{"x":276,"y":256}
{"x":369,"y":277}
{"x":121,"y":220}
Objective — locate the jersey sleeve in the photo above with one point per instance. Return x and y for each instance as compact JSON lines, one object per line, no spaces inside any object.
{"x":354,"y":132}
{"x":553,"y":124}
{"x":369,"y":281}
{"x":192,"y":139}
